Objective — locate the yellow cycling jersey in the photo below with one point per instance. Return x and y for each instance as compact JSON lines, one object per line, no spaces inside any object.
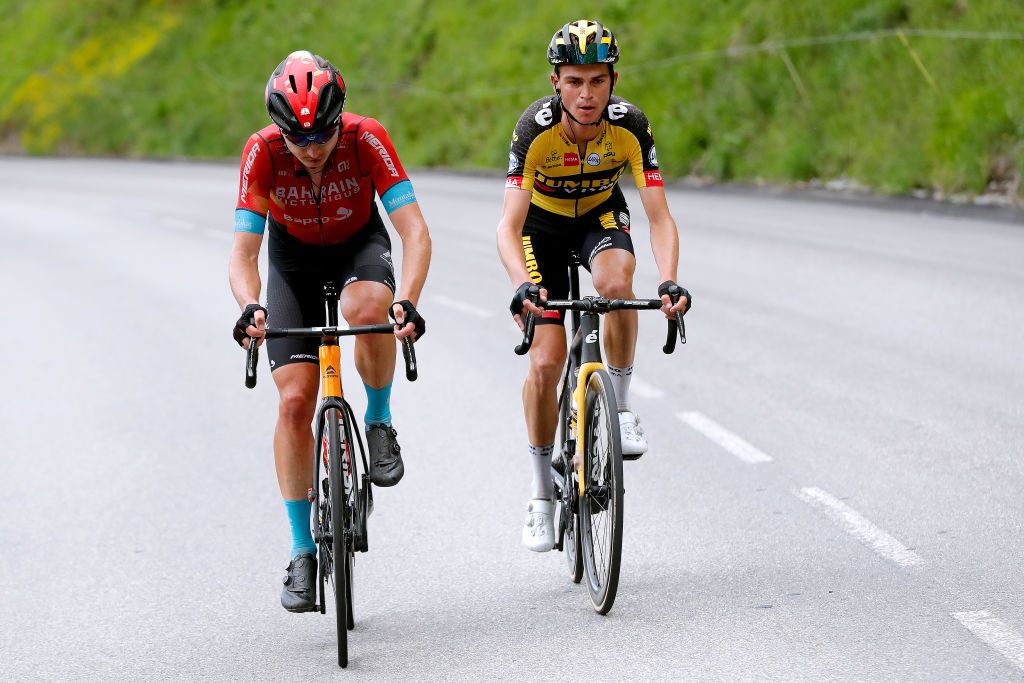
{"x":569,"y":182}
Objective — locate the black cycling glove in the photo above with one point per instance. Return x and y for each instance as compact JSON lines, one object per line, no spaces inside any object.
{"x":675,"y":291}
{"x":247,"y":318}
{"x":527,"y":290}
{"x":411,"y":316}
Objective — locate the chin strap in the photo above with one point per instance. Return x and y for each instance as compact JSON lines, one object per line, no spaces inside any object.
{"x":558,"y":103}
{"x":604,"y":110}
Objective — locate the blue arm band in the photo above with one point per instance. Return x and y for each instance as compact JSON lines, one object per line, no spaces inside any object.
{"x":399,"y":194}
{"x":249,"y":221}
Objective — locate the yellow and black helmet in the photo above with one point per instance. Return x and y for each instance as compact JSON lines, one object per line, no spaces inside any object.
{"x":583,"y":42}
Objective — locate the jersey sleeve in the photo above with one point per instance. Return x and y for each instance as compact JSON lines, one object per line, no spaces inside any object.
{"x":521,"y":167}
{"x":375,"y":146}
{"x":643,"y":158}
{"x":255,"y":177}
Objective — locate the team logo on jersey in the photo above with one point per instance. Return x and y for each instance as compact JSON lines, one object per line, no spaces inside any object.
{"x":653,"y":177}
{"x":594,"y":159}
{"x":571,"y":159}
{"x":342,"y":165}
{"x":652,"y":156}
{"x":343,"y":213}
{"x":545,"y":116}
{"x":514,"y":181}
{"x":617,"y":111}
{"x":249,"y":160}
{"x":382,"y":151}
{"x":624,"y":218}
{"x":513,"y":161}
{"x":387,"y":258}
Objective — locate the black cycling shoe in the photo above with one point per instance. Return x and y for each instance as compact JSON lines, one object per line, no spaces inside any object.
{"x":386,"y":467}
{"x":299,"y":592}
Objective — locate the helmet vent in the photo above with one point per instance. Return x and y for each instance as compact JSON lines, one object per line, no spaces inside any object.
{"x":309,"y":80}
{"x":294,"y":88}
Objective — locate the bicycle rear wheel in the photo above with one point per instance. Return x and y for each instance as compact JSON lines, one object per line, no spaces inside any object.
{"x":601,"y":504}
{"x":331,"y":439}
{"x":567,"y":489}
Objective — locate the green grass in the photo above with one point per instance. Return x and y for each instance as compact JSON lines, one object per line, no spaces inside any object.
{"x":186,"y":78}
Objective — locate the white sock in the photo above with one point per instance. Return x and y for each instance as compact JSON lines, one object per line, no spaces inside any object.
{"x":540,"y":456}
{"x":620,"y":383}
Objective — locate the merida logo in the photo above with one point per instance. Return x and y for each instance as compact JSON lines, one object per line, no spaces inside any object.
{"x":249,"y":160}
{"x":382,"y":151}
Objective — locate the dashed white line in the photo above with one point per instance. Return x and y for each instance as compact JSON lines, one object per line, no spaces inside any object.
{"x":643,"y":389}
{"x":724,"y":438}
{"x":460,"y":306}
{"x":860,"y":527}
{"x":994,"y":633}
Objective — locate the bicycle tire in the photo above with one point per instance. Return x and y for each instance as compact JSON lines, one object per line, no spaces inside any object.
{"x":601,"y":504}
{"x":339,"y":525}
{"x":351,"y":501}
{"x":569,"y":492}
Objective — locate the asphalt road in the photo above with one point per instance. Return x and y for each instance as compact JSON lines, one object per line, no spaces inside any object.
{"x":833,"y":490}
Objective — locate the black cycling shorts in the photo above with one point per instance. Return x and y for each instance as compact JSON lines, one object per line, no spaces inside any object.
{"x":548,"y":238}
{"x":295,"y":284}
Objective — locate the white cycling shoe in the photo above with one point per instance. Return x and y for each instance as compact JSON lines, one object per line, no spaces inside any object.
{"x":634,"y":443}
{"x":539,"y":528}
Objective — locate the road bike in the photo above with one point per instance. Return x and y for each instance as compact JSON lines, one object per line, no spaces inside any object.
{"x":587,"y":463}
{"x":341,"y":494}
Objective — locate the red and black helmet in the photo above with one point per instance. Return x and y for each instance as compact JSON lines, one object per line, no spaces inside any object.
{"x":305,"y":94}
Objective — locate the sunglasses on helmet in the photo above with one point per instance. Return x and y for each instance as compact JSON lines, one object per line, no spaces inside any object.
{"x":304,"y":139}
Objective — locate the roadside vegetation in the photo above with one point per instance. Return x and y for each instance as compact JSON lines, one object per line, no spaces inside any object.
{"x":899,"y":96}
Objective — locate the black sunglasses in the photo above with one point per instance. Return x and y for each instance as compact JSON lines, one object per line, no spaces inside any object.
{"x":304,"y":139}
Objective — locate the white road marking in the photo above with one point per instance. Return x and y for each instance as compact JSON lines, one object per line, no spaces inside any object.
{"x":460,"y":306}
{"x":641,"y":388}
{"x":994,"y":633}
{"x":860,"y":527}
{"x":724,"y":438}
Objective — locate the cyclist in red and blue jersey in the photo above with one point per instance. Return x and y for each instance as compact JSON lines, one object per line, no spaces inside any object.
{"x":568,"y":152}
{"x":309,"y":180}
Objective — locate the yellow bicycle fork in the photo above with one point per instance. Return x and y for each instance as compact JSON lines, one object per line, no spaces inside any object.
{"x":579,"y":394}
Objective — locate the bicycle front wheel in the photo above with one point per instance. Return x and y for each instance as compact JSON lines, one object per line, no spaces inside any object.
{"x":601,"y":504}
{"x":331,"y":437}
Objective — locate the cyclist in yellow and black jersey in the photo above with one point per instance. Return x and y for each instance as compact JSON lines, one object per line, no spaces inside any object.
{"x":568,"y":178}
{"x":561,"y":195}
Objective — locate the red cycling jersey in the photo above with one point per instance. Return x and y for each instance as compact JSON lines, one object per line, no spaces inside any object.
{"x":273,"y":181}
